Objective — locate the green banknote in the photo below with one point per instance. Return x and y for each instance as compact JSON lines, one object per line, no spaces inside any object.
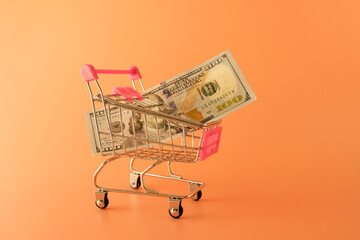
{"x":207,"y":92}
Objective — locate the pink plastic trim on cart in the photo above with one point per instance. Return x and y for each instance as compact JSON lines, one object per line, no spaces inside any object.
{"x":127,"y":92}
{"x":210,"y":142}
{"x":89,"y":73}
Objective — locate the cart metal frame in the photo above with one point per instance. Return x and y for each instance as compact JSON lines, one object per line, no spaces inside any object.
{"x":189,"y":150}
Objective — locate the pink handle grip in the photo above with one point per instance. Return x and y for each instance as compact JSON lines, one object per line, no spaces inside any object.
{"x":89,"y":73}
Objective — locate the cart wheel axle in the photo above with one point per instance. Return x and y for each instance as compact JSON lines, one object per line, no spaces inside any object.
{"x":102,"y":200}
{"x":197,"y":196}
{"x":176,"y":213}
{"x":175,"y":208}
{"x":135,"y":181}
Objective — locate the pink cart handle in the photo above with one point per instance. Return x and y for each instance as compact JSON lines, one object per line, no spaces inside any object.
{"x":89,"y":73}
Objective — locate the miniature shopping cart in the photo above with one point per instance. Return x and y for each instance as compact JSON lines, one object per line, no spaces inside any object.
{"x":138,"y":127}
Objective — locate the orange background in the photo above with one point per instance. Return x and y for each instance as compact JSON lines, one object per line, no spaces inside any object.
{"x":288,"y":165}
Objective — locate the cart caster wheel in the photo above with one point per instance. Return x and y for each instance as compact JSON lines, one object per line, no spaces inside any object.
{"x":197,"y":196}
{"x":176,"y":213}
{"x":135,"y":181}
{"x":102,"y":204}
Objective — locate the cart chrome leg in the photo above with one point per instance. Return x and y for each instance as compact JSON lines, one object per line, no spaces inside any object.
{"x":142,"y":177}
{"x":101,"y":199}
{"x":99,"y":170}
{"x":171,"y":173}
{"x":131,"y":165}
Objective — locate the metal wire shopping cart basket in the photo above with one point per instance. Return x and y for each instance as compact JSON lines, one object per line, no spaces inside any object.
{"x":164,"y":137}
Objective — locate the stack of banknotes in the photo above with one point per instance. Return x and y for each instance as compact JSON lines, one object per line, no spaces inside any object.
{"x":205,"y":93}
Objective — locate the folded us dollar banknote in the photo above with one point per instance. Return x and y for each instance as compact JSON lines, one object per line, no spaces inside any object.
{"x":207,"y":92}
{"x":137,"y":129}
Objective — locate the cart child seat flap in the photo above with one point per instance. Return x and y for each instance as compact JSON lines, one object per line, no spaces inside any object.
{"x":127,"y":92}
{"x":210,"y":142}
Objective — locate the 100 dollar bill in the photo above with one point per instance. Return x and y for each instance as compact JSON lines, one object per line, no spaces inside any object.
{"x":130,"y":132}
{"x":207,"y":92}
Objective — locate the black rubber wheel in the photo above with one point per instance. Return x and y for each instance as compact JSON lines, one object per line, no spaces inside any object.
{"x":106,"y":201}
{"x":197,"y":196}
{"x":181,"y":211}
{"x":138,"y":184}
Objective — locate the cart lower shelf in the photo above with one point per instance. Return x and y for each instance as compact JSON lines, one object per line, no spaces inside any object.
{"x":137,"y":181}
